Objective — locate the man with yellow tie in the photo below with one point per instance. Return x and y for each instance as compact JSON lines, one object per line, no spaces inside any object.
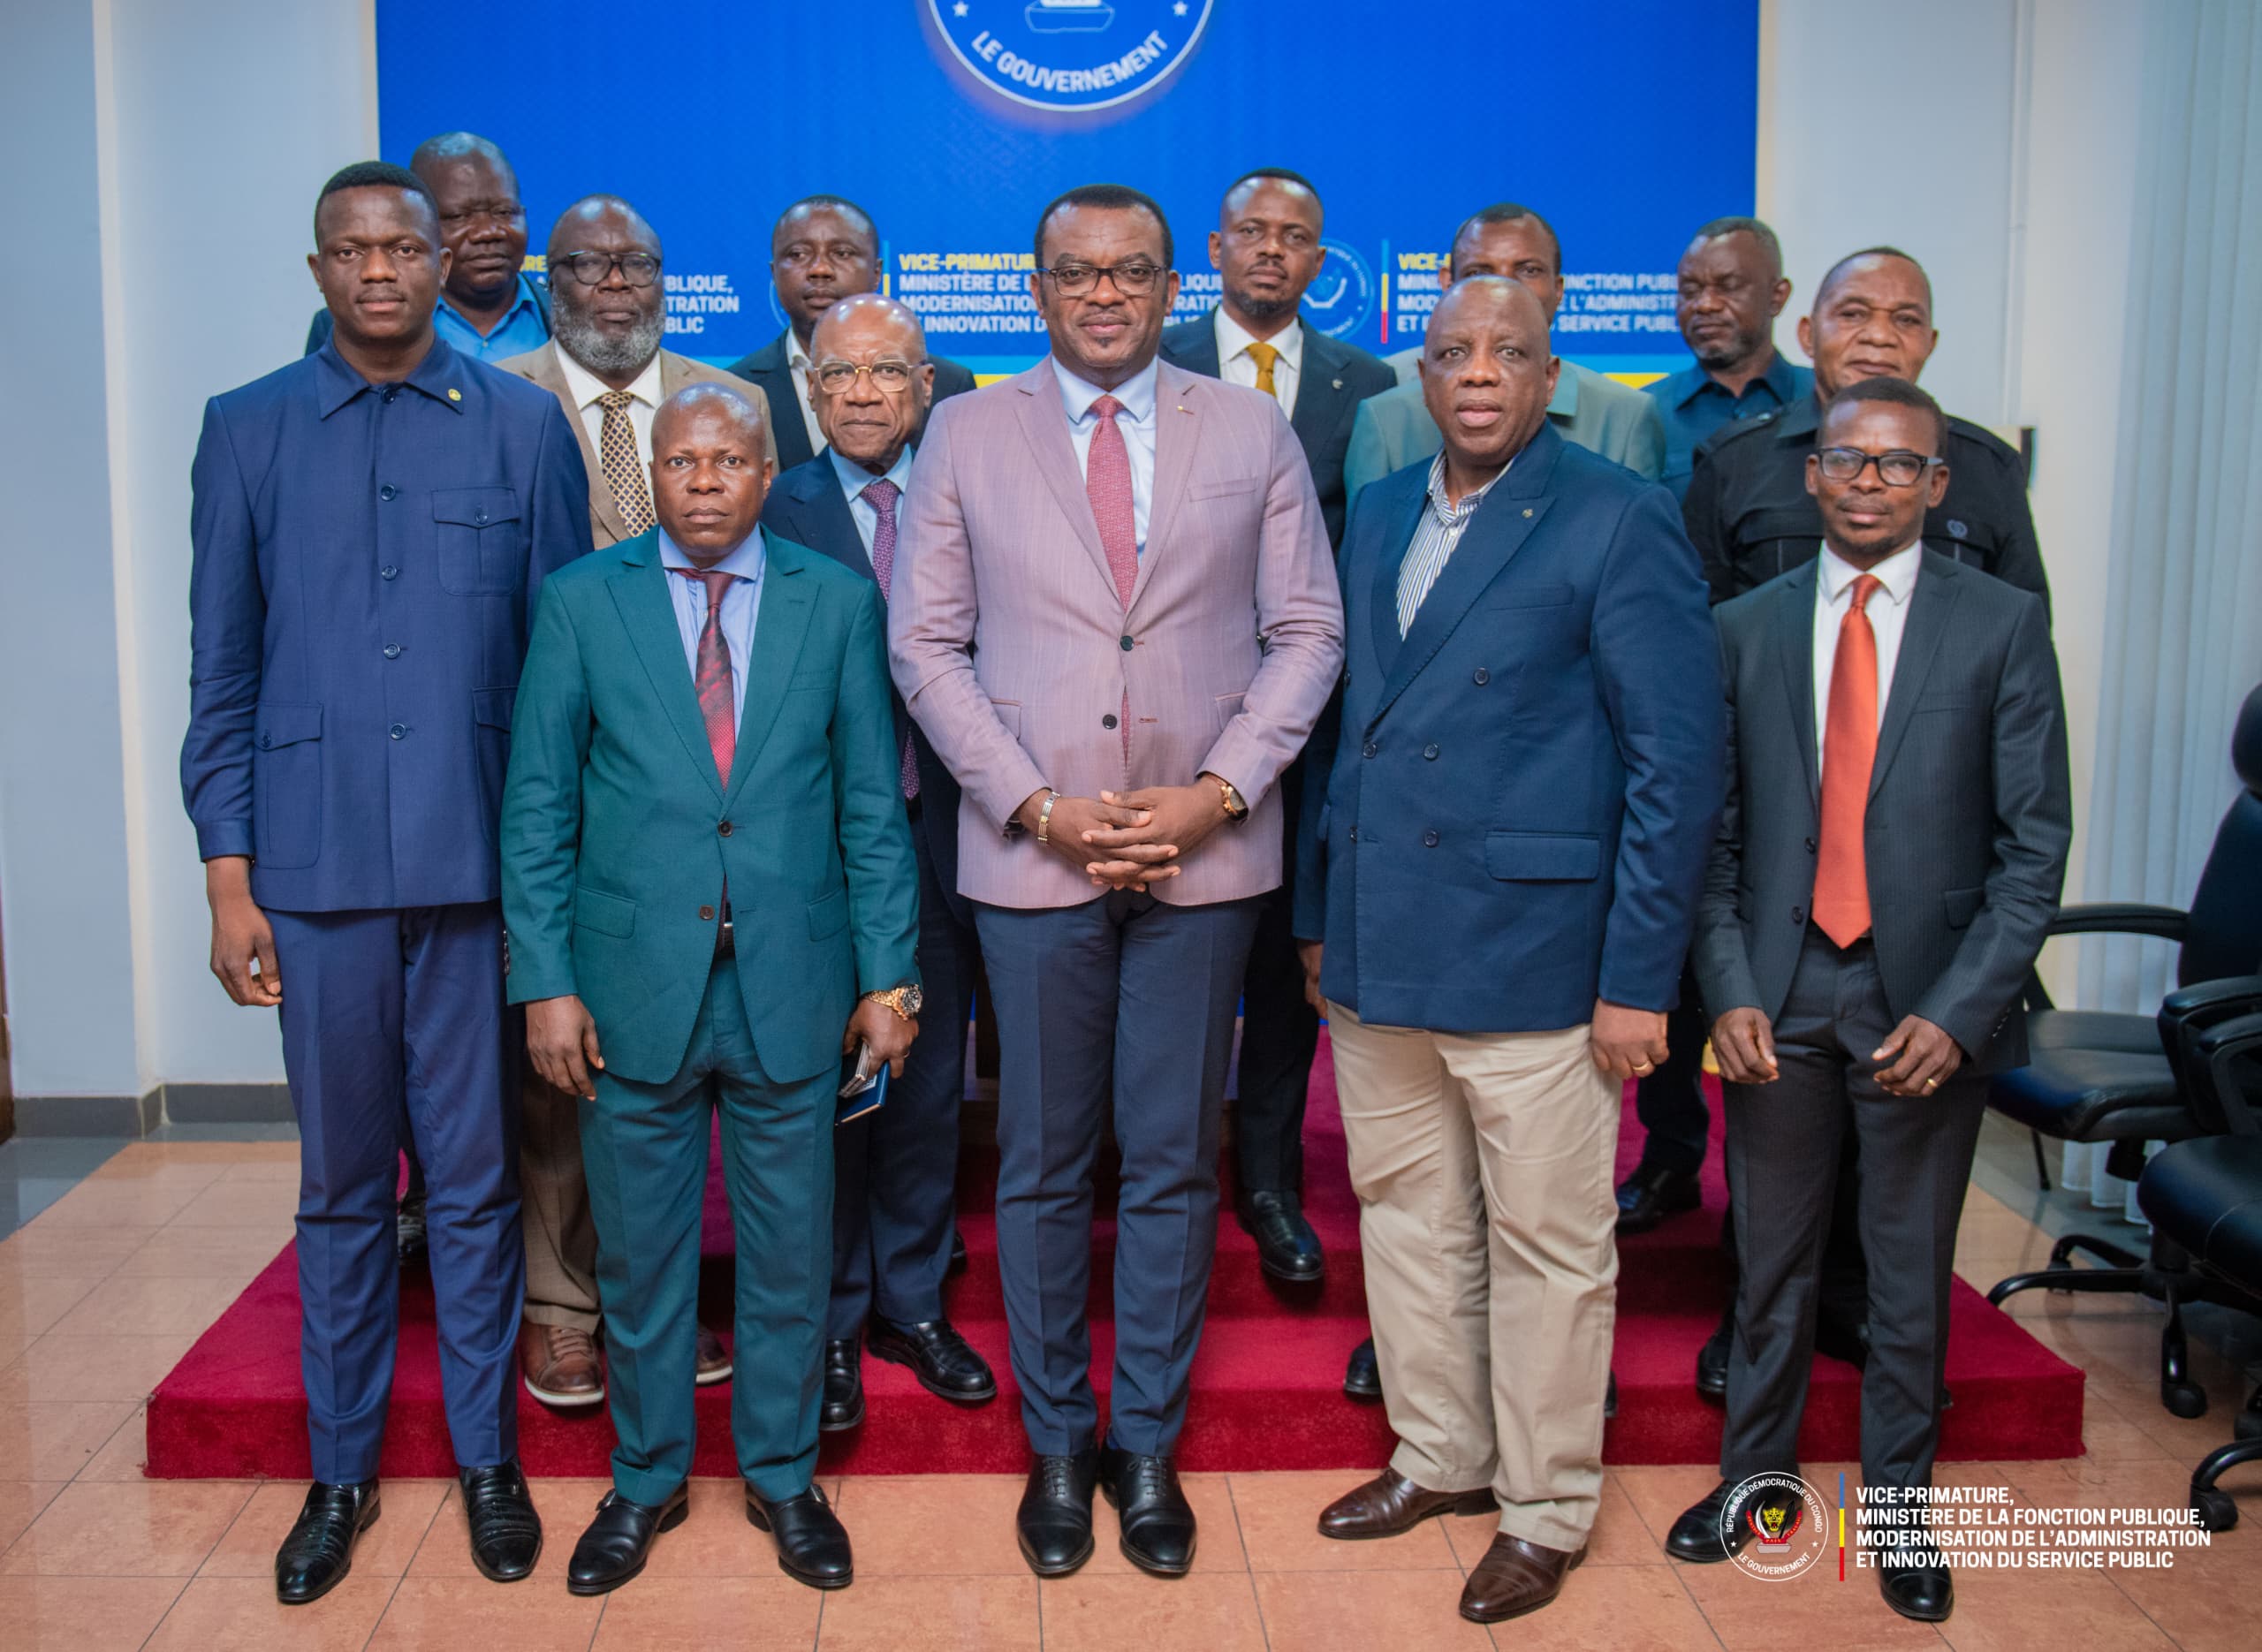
{"x":1266,"y":250}
{"x":605,"y":363}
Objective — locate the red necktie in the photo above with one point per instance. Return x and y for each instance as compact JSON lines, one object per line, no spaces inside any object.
{"x":1842,"y":887}
{"x":882,"y":495}
{"x":711,"y":677}
{"x":1107,"y":484}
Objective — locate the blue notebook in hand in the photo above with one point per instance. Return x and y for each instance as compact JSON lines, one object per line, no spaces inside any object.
{"x":861,"y":1092}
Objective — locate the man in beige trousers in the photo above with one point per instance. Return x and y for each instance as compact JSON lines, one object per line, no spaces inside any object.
{"x":605,"y":363}
{"x":1503,"y":875}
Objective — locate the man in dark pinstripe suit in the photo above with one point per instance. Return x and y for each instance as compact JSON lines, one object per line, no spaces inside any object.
{"x":1889,"y":859}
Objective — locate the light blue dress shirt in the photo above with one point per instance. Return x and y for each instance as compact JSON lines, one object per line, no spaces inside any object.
{"x":1137,"y":421}
{"x":854,"y":479}
{"x":741,"y":605}
{"x":521,"y":330}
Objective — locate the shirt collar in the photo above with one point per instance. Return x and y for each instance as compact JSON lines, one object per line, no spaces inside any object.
{"x":1897,"y":573}
{"x":744,"y":563}
{"x":1137,"y":393}
{"x":797,"y":355}
{"x":1782,"y":378}
{"x":1233,"y":338}
{"x":438,"y":375}
{"x":1469,"y":501}
{"x":587,"y":387}
{"x":1564,"y":404}
{"x":855,"y":478}
{"x":524,"y":301}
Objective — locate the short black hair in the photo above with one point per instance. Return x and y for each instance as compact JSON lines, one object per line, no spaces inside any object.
{"x":1283,"y":174}
{"x":1896,"y":393}
{"x":838,"y":203}
{"x":1832,"y":273}
{"x":374,"y":175}
{"x":1107,"y":198}
{"x":1506,"y":212}
{"x":1757,"y":229}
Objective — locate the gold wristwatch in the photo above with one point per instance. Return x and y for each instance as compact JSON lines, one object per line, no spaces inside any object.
{"x":1235,"y":809}
{"x":904,"y":1000}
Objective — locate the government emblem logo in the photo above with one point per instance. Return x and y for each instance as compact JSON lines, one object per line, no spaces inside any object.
{"x":1071,"y":57}
{"x":1788,"y":1528}
{"x":1341,"y":298}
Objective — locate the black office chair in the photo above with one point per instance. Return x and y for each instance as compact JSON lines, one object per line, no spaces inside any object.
{"x":2097,"y":1077}
{"x":2205,"y":1195}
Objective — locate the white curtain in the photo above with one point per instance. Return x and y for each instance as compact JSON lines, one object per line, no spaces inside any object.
{"x":2184,"y":631}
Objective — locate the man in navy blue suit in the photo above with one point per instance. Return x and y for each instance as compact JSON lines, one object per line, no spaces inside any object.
{"x":370,"y":525}
{"x":1503,"y":874}
{"x":872,"y":383}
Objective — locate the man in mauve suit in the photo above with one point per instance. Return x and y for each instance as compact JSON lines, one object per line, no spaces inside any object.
{"x":1116,"y":619}
{"x":1889,"y":860}
{"x":1497,"y":889}
{"x":896,"y":1169}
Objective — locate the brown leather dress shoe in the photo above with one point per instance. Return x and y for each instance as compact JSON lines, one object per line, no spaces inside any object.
{"x":714,"y":1364}
{"x":1390,"y":1504}
{"x":560,"y":1366}
{"x":1515,"y":1576}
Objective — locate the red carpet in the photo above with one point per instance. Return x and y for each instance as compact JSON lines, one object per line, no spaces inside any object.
{"x":1266,"y":1392}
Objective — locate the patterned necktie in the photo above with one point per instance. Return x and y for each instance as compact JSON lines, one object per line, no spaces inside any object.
{"x":1842,"y":887}
{"x":882,"y":495}
{"x":1107,"y":484}
{"x":1264,"y":356}
{"x":623,"y":473}
{"x":711,"y":677}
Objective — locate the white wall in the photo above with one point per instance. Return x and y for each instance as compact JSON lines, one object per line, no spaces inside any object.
{"x":2000,"y":153}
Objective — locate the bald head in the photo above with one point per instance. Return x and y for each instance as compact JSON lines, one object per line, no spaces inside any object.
{"x":1873,"y":319}
{"x":608,"y":310}
{"x":1487,"y":374}
{"x":483,"y":223}
{"x":609,"y":216}
{"x":710,"y":470}
{"x":870,"y":382}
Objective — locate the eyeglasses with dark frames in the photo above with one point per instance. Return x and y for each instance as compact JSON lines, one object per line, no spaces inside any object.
{"x":835,"y":377}
{"x":591,"y":269}
{"x":1895,"y":469}
{"x":1077,"y":281}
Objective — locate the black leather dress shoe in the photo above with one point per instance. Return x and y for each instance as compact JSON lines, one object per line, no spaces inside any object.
{"x":1363,"y":1375}
{"x":1650,"y":1194}
{"x":1926,"y":1592}
{"x":319,"y":1551}
{"x":843,"y":1406}
{"x":938,"y":1357}
{"x":620,"y":1540}
{"x":1712,"y":1361}
{"x":408,"y":1227}
{"x":1286,"y":1247}
{"x":1697,"y":1535}
{"x":1157,"y":1520}
{"x":1054,"y":1523}
{"x":505,"y":1531}
{"x":812,"y":1544}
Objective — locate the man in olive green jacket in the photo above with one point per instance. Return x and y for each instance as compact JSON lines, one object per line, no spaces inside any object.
{"x":705,"y":864}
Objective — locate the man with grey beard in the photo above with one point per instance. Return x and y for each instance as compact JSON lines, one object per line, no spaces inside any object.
{"x":603,"y":361}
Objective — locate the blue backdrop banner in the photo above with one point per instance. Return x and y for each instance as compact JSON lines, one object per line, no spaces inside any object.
{"x":1627,"y":123}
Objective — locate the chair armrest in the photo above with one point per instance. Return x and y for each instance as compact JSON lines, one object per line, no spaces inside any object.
{"x":2187,"y":1013}
{"x":2218,"y":1051}
{"x":2168,"y":923}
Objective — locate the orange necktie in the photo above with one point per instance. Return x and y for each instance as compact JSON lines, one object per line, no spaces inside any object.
{"x":1841,"y":886}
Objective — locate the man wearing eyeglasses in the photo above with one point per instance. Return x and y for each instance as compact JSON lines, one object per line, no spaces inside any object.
{"x":822,"y":249}
{"x":1888,"y":862}
{"x":896,"y":1169}
{"x":605,"y":365}
{"x":1116,"y":618}
{"x":490,"y":309}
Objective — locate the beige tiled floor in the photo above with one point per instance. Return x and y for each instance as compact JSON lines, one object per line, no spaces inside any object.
{"x":105,"y":1290}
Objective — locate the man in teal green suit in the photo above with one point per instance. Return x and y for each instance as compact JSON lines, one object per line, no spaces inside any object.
{"x":706,"y":879}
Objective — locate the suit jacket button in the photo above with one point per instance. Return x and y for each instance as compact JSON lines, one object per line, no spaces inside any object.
{"x":1369,"y":749}
{"x":1798,"y":914}
{"x":1482,"y":677}
{"x":1429,"y":840}
{"x":267,"y":739}
{"x":399,"y":730}
{"x":1126,"y":643}
{"x":392,"y":650}
{"x":1811,"y":846}
{"x":724,"y":829}
{"x":706,"y":914}
{"x":479,"y":518}
{"x":1108,"y":721}
{"x":388,"y":491}
{"x":1429,"y":752}
{"x":388,"y":573}
{"x":1354,"y":834}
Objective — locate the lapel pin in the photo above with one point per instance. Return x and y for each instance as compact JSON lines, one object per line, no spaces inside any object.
{"x":1526,"y":509}
{"x":455,"y":395}
{"x":1339,"y":384}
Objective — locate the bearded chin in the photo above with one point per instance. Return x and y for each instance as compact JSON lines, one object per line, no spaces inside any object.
{"x":604,"y":353}
{"x":1263,"y":309}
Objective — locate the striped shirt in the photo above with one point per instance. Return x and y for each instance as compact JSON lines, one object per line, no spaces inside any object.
{"x":1434,"y":538}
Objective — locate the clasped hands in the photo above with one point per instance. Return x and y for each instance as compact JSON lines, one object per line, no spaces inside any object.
{"x":1917,"y":1057}
{"x":1126,"y":840}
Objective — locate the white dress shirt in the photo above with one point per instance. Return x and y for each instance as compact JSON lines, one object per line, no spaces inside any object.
{"x":585,"y":387}
{"x":798,"y":360}
{"x":854,"y":479}
{"x":1889,"y":615}
{"x":1137,"y":421}
{"x":1236,"y":366}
